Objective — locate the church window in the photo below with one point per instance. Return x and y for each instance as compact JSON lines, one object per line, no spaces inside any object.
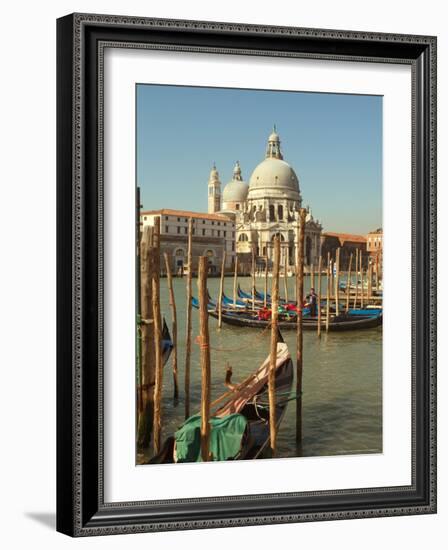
{"x":280,"y":212}
{"x":272,"y":212}
{"x":243,"y":237}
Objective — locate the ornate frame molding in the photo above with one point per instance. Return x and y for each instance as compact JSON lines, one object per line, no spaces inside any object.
{"x":81,"y":42}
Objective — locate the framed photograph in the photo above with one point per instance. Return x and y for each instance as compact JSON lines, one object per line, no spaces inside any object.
{"x":246,"y":274}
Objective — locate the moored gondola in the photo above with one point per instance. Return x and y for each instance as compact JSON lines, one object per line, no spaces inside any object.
{"x":337,"y":323}
{"x":240,"y":427}
{"x":167,"y":343}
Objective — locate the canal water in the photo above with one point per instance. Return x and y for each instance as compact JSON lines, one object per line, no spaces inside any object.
{"x":342,"y":377}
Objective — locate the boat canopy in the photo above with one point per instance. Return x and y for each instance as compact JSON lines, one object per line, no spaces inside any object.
{"x":226,"y":435}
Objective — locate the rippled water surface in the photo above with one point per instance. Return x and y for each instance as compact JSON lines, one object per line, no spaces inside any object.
{"x":342,"y":378}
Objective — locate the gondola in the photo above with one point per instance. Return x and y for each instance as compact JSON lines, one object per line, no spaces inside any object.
{"x":337,"y":323}
{"x":167,"y":343}
{"x":249,"y":401}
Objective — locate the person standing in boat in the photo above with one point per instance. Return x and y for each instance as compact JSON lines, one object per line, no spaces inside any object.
{"x":312,"y":302}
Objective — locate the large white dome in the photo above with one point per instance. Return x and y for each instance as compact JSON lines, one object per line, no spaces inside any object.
{"x":274,"y":178}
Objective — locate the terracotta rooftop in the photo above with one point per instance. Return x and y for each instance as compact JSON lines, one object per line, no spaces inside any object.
{"x":186,"y":214}
{"x":346,"y":237}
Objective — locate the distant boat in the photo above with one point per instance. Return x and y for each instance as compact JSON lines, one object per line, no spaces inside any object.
{"x":248,"y":404}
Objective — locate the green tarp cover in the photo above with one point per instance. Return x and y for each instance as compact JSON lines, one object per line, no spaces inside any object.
{"x":225,"y":438}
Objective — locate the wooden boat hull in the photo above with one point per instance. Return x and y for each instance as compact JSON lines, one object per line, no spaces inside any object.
{"x":337,"y":324}
{"x":256,"y":410}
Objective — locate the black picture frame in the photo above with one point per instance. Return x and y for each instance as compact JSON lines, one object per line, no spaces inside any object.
{"x":81,"y":510}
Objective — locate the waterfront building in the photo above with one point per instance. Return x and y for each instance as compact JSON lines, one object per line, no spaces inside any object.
{"x":348,"y":243}
{"x":212,"y":234}
{"x":267,"y":206}
{"x":375,"y":242}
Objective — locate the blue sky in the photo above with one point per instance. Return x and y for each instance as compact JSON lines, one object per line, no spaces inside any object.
{"x":333,"y":141}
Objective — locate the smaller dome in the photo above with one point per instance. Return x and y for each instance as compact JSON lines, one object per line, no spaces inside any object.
{"x":274,"y":137}
{"x":236,"y":190}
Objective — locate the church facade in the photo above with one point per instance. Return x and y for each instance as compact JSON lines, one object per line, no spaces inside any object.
{"x":267,"y":206}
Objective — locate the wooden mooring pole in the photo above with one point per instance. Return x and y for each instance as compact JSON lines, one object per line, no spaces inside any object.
{"x":173,"y":326}
{"x":362,"y":279}
{"x":356,"y":278}
{"x":319,"y":290}
{"x":146,"y":389}
{"x":221,"y":289}
{"x":157,"y":424}
{"x":336,"y":280}
{"x":253,"y":277}
{"x":188,"y":315}
{"x":299,"y":331}
{"x":235,"y":281}
{"x":265,"y":301}
{"x":348,"y":285}
{"x":327,"y":316}
{"x":273,"y":355}
{"x":285,"y":273}
{"x":205,"y":358}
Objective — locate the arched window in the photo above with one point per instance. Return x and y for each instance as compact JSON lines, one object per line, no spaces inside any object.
{"x":179,"y":252}
{"x":243,"y":238}
{"x":282,"y":238}
{"x":210,"y":253}
{"x":271,"y":212}
{"x":280,"y":212}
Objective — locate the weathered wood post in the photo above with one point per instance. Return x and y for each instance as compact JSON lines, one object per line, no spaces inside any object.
{"x":285,"y":274}
{"x":265,"y":301}
{"x":362,"y":279}
{"x":173,"y":326}
{"x":235,"y":281}
{"x":319,"y":290}
{"x":336,"y":280}
{"x":273,"y":355}
{"x":299,"y":331}
{"x":327,"y":317}
{"x":356,"y":281}
{"x":205,"y":358}
{"x":146,"y":389}
{"x":348,"y":286}
{"x":157,"y":424}
{"x":377,"y":278}
{"x":369,"y":281}
{"x":312,"y":282}
{"x":188,"y":315}
{"x":253,"y":277}
{"x":221,"y":289}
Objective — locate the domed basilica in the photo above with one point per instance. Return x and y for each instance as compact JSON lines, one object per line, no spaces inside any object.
{"x":265,"y":207}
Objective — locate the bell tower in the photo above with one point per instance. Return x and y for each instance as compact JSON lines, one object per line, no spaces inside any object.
{"x":214,"y":191}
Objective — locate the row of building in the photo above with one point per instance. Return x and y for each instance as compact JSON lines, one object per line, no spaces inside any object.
{"x":244,"y":217}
